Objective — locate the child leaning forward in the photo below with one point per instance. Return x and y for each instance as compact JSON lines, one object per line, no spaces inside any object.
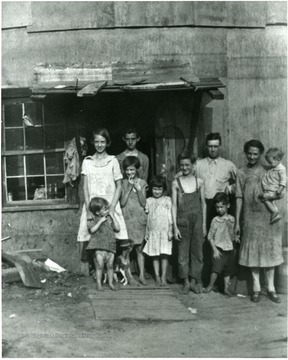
{"x":221,"y":237}
{"x":102,"y":228}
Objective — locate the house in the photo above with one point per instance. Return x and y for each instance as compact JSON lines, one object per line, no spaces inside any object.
{"x":177,"y":70}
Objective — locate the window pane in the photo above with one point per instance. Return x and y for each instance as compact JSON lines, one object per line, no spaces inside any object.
{"x":13,"y":115}
{"x":34,"y":138}
{"x":54,"y":163}
{"x":14,"y":139}
{"x":34,"y":112}
{"x":54,"y":137}
{"x":35,"y":164}
{"x":14,"y":165}
{"x":36,"y":188}
{"x":17,"y":188}
{"x":57,"y":187}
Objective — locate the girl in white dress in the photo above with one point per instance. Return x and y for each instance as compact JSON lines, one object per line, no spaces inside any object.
{"x":159,"y":229}
{"x":102,"y":178}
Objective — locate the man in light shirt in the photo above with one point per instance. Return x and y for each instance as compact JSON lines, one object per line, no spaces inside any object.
{"x":219,"y":175}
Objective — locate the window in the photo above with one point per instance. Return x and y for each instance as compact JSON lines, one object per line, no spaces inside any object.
{"x":33,"y":147}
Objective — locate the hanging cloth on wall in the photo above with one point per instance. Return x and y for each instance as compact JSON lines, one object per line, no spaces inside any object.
{"x":72,"y":163}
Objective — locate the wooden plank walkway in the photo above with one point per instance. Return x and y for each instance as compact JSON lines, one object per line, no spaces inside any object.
{"x":141,"y":304}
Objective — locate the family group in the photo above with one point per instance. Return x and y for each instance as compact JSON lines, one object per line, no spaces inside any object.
{"x":117,"y":215}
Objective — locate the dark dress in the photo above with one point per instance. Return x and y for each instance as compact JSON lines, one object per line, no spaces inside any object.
{"x":103,"y":238}
{"x":134,"y":214}
{"x":261,"y":244}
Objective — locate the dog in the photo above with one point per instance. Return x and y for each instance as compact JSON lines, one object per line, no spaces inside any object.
{"x":120,"y":267}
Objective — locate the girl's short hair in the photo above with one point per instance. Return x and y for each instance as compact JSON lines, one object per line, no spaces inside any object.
{"x":159,"y":182}
{"x":186,"y":155}
{"x":275,"y":153}
{"x":254,"y":143}
{"x":103,"y":132}
{"x":221,"y":197}
{"x":96,"y":204}
{"x":131,"y":161}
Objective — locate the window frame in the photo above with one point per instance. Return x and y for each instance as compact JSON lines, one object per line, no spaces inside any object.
{"x":70,"y":201}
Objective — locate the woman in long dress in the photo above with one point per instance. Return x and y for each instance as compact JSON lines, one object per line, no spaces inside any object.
{"x":261,"y":244}
{"x":102,"y":178}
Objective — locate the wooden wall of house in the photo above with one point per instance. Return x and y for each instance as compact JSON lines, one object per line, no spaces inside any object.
{"x":242,"y":43}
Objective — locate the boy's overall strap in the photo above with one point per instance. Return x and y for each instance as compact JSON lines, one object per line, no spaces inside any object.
{"x":196,"y":184}
{"x":180,"y":186}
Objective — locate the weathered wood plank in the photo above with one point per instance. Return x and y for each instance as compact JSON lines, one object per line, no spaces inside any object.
{"x":230,"y":13}
{"x":276,"y":12}
{"x":153,"y":13}
{"x":16,"y":14}
{"x":64,"y":15}
{"x":64,"y":74}
{"x":138,"y":305}
{"x":151,"y":71}
{"x":91,"y":89}
{"x":216,"y":94}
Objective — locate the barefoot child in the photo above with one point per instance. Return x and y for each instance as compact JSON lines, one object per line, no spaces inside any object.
{"x":159,"y":229}
{"x":221,"y":237}
{"x":274,"y":182}
{"x":133,"y":201}
{"x":102,"y":228}
{"x":189,"y":217}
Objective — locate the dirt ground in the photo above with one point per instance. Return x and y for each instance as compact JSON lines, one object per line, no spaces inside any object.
{"x":60,"y":321}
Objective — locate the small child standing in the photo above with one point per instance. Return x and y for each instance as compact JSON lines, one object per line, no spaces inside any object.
{"x":159,"y":229}
{"x":133,"y":201}
{"x":102,"y":228}
{"x":221,"y":237}
{"x":274,"y":182}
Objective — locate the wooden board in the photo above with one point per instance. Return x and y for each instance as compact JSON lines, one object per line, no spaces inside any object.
{"x":142,"y":304}
{"x":66,"y":15}
{"x":16,"y":14}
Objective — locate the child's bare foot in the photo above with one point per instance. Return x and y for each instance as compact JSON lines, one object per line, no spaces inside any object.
{"x":228,"y":293}
{"x":208,"y":289}
{"x":112,"y":287}
{"x":158,"y":281}
{"x":133,"y":282}
{"x":185,"y":290}
{"x":142,"y":281}
{"x":99,"y":287}
{"x":163,"y":282}
{"x":196,"y":288}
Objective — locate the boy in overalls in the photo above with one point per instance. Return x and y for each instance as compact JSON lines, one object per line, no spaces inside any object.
{"x":189,"y":218}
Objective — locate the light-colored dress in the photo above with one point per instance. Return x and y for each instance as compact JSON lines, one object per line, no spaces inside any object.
{"x":159,"y":226}
{"x":134,"y":214}
{"x":101,"y":176}
{"x":261,"y":243}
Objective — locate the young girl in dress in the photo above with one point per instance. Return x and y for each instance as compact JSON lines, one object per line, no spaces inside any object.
{"x":133,"y":201}
{"x":159,"y":229}
{"x":101,"y":178}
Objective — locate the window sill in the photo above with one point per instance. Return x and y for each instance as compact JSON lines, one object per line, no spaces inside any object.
{"x":37,"y":207}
